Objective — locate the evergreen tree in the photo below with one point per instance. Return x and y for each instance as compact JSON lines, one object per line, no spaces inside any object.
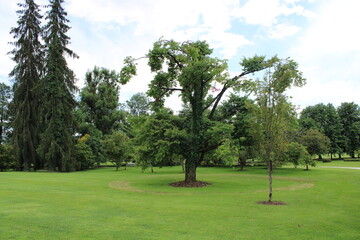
{"x":100,"y":99}
{"x":5,"y":97}
{"x":58,"y":87}
{"x":28,"y":56}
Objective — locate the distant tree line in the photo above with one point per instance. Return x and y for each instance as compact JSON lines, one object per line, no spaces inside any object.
{"x":44,"y":126}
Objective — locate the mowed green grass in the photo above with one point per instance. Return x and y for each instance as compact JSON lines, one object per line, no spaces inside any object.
{"x":322,"y":203}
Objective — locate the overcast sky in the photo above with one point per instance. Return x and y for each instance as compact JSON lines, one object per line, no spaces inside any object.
{"x":323,"y":36}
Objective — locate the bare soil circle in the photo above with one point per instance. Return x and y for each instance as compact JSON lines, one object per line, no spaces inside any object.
{"x":271,"y":203}
{"x":197,"y":184}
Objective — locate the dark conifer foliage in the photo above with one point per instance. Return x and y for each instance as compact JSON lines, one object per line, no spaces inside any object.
{"x":58,"y":87}
{"x":28,"y":56}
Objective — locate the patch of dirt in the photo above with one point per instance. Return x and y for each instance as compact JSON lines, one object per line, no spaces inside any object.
{"x":124,"y":185}
{"x":196,"y":184}
{"x":271,"y":203}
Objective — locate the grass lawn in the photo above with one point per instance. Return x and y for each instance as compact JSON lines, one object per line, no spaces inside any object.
{"x":323,"y":203}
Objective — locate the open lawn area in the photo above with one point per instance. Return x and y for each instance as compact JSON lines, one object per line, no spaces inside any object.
{"x":323,"y":203}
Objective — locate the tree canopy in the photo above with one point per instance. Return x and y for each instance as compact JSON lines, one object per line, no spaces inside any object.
{"x":273,"y":114}
{"x":189,"y":68}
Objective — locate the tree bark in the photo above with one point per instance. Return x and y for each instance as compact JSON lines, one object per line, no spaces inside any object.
{"x":197,"y":140}
{"x":270,"y":170}
{"x":182,"y":166}
{"x":190,"y":173}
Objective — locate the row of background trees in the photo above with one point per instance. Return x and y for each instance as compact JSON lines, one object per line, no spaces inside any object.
{"x":132,"y":132}
{"x":43,"y":126}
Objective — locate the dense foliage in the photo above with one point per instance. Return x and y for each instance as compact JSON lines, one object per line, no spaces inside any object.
{"x":28,"y":55}
{"x":225,"y":120}
{"x":58,"y":88}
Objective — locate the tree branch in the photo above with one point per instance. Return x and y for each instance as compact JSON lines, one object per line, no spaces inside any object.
{"x":172,"y":89}
{"x":175,"y":60}
{"x":226,"y":86}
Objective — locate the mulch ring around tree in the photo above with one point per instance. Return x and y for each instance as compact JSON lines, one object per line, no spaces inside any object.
{"x":196,"y":184}
{"x":271,"y":203}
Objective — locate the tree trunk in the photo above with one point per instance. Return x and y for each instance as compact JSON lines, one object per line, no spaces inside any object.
{"x":190,"y":173}
{"x":197,"y":141}
{"x":1,"y":126}
{"x":182,"y":165}
{"x":270,"y":170}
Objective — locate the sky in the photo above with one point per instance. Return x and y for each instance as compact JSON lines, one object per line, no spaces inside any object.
{"x":322,"y":36}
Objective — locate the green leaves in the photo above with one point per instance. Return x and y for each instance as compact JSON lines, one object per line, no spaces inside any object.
{"x":28,"y":55}
{"x":157,"y":139}
{"x":117,"y":148}
{"x":58,"y":88}
{"x":100,"y":99}
{"x":128,"y":71}
{"x":297,"y":154}
{"x":287,"y":75}
{"x":315,"y":142}
{"x":253,"y":64}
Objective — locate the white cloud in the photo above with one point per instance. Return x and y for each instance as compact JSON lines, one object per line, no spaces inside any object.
{"x":181,"y":20}
{"x":8,"y":20}
{"x":104,"y":32}
{"x":266,"y":13}
{"x":334,"y":30}
{"x":281,"y":31}
{"x":228,"y":42}
{"x":329,"y":54}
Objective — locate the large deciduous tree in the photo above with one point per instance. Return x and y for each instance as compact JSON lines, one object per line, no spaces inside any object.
{"x":117,"y":148}
{"x":274,"y":114}
{"x":297,"y":154}
{"x":349,"y":114}
{"x":58,"y":88}
{"x":157,"y":139}
{"x":28,"y":55}
{"x":325,"y":119}
{"x":189,"y":68}
{"x":138,"y":104}
{"x":236,"y":111}
{"x":315,"y":142}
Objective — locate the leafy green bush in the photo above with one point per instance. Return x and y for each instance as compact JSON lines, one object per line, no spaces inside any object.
{"x":7,"y":158}
{"x":85,"y":158}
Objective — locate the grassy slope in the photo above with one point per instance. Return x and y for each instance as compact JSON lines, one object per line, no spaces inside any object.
{"x":82,"y":205}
